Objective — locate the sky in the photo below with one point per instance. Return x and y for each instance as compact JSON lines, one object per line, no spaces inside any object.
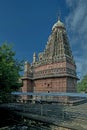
{"x":28,"y":23}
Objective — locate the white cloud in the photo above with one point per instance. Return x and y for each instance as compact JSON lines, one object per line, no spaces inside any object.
{"x":76,"y":22}
{"x":71,"y":3}
{"x":81,"y":66}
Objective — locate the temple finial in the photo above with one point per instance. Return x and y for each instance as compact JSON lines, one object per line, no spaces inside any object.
{"x":59,"y":14}
{"x":58,"y":18}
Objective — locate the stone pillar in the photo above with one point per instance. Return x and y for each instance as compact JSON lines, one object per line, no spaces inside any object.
{"x":27,"y":82}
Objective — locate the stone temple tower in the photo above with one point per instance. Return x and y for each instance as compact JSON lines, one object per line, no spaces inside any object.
{"x":54,"y":69}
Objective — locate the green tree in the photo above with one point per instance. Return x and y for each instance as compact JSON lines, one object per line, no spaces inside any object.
{"x":9,"y":69}
{"x":82,"y":85}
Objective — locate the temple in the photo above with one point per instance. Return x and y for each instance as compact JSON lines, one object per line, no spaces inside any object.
{"x":54,"y":69}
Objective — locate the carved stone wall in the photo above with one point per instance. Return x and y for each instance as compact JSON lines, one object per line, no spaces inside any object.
{"x":27,"y":85}
{"x":50,"y":85}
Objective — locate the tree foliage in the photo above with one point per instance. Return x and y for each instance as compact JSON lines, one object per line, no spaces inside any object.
{"x":9,"y":68}
{"x":82,"y":85}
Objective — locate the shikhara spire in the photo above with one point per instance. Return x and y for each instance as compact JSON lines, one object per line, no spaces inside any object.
{"x":57,"y":47}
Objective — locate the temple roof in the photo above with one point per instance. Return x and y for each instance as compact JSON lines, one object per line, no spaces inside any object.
{"x":58,"y":24}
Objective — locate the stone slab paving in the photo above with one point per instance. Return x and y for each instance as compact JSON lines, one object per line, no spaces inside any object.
{"x":62,"y":115}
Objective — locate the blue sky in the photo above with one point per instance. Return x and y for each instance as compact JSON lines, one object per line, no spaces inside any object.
{"x":28,"y":23}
